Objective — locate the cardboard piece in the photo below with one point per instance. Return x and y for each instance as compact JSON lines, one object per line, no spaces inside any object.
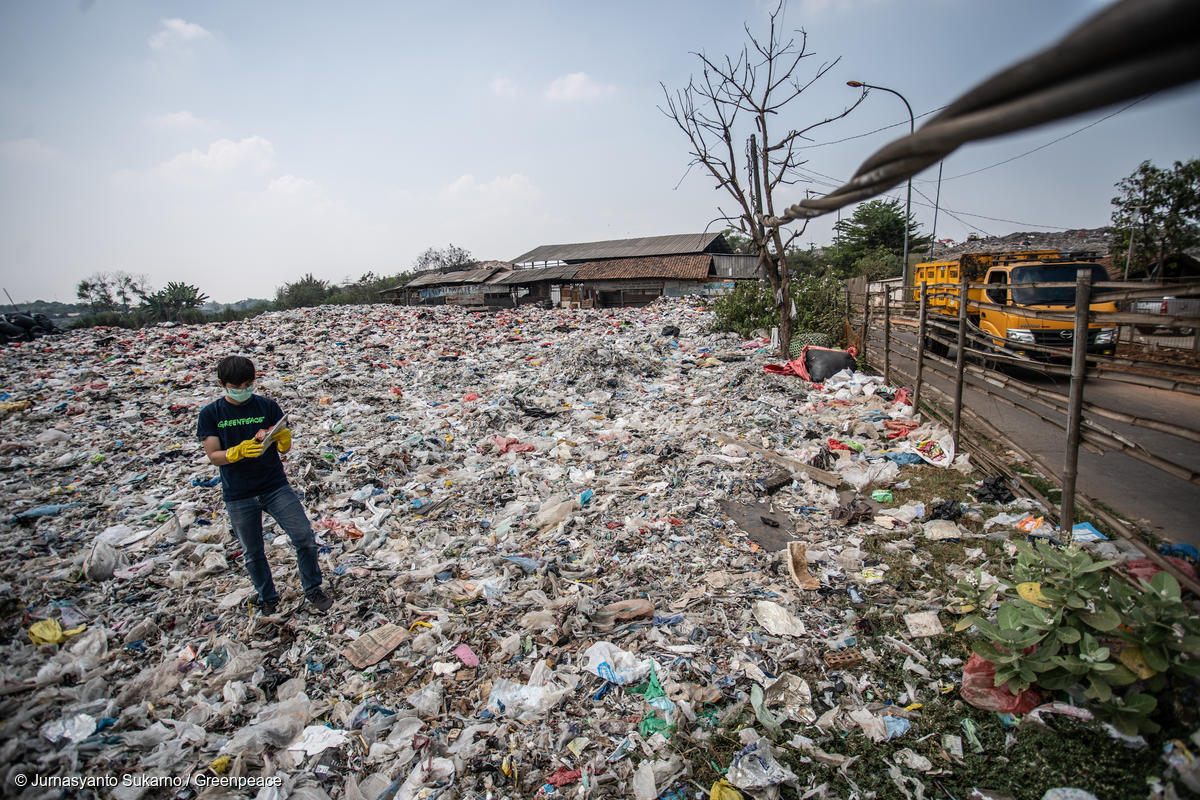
{"x":373,"y":646}
{"x":797,"y":564}
{"x":924,"y":623}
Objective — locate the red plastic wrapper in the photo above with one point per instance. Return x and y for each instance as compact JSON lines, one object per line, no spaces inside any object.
{"x":1146,"y":569}
{"x":980,"y":690}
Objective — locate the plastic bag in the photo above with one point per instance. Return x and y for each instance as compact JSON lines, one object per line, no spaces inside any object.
{"x":826,"y":362}
{"x":939,"y":451}
{"x":861,"y":475}
{"x":101,"y":561}
{"x":822,"y":362}
{"x":523,"y":701}
{"x":606,"y":660}
{"x":277,"y":725}
{"x":428,"y":699}
{"x":777,"y":620}
{"x":980,"y":690}
{"x":757,"y":768}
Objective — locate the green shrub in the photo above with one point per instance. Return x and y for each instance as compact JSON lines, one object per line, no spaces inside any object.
{"x":751,"y":305}
{"x":1080,"y":627}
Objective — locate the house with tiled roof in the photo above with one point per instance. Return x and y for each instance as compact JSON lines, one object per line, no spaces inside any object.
{"x":633,"y":272}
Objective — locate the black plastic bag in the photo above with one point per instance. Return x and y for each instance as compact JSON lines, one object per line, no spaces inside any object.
{"x":951,"y":510}
{"x":823,"y":364}
{"x":994,"y":490}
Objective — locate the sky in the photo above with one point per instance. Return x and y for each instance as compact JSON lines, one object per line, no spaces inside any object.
{"x":240,"y":146}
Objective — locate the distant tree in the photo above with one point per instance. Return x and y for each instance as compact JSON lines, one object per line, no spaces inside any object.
{"x":306,"y":292}
{"x":127,"y":287}
{"x":172,"y":301}
{"x":878,"y":263}
{"x":876,"y":225}
{"x":364,"y":290}
{"x":96,"y":291}
{"x":801,"y":262}
{"x":739,"y":242}
{"x":111,"y":291}
{"x":1161,"y":209}
{"x":735,"y":101}
{"x":440,"y":258}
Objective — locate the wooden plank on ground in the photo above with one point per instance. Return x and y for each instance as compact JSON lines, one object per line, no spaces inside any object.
{"x":818,"y":475}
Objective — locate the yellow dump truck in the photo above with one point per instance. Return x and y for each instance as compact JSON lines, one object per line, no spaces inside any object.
{"x":1011,"y":328}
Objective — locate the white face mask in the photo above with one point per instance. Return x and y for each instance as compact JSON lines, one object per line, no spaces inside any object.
{"x":240,"y":395}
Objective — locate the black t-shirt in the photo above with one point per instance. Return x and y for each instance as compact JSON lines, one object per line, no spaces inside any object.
{"x":233,"y":424}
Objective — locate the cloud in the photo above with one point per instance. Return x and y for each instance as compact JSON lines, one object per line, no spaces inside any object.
{"x":503,"y":87}
{"x":501,"y":194}
{"x":577,"y":86}
{"x":26,"y":151}
{"x":176,"y":31}
{"x":290,"y":191}
{"x":810,"y":7}
{"x":223,"y":157}
{"x":177,"y":120}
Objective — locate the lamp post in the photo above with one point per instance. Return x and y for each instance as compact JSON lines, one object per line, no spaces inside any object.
{"x":912,"y":124}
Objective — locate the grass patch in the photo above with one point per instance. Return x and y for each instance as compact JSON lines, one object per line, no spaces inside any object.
{"x":928,"y":483}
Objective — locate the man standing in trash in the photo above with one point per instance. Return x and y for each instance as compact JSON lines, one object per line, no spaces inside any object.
{"x":253,"y":481}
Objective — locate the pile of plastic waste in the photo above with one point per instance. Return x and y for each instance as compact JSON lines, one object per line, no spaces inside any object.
{"x":567,"y":549}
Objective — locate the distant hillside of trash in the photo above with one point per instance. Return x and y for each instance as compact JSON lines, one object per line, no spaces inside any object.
{"x":1096,"y":240}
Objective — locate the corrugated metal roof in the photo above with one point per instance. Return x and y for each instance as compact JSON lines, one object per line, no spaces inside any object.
{"x":519,"y":277}
{"x":678,"y":244}
{"x":731,"y":265}
{"x":477,"y":275}
{"x":687,"y":267}
{"x":428,"y":279}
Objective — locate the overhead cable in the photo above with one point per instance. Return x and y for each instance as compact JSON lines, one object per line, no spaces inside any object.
{"x":1127,"y":50}
{"x":868,"y":133}
{"x":1091,"y":124}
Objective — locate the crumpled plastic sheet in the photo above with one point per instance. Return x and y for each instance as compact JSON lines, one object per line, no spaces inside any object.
{"x":511,"y":488}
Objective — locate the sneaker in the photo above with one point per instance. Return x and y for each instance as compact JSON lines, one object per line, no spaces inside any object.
{"x":320,"y":600}
{"x":266,"y":607}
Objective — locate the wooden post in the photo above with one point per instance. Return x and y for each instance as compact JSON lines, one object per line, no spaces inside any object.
{"x":960,"y":356}
{"x":920,"y":349}
{"x":1083,"y":298}
{"x":866,"y":317}
{"x":887,"y":335}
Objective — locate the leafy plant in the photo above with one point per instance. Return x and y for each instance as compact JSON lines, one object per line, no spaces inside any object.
{"x":751,"y":306}
{"x":1069,"y":624}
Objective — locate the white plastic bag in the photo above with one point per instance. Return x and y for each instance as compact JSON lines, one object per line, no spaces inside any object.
{"x":606,"y":660}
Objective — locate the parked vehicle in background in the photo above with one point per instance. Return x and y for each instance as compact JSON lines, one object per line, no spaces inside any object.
{"x":1168,"y":306}
{"x":1171,"y":274}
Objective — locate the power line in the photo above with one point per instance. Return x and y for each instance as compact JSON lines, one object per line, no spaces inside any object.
{"x":1124,"y":51}
{"x":1044,"y":146}
{"x":930,"y":204}
{"x":868,"y":133}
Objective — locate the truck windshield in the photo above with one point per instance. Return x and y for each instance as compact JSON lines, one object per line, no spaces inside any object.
{"x":1050,"y":273}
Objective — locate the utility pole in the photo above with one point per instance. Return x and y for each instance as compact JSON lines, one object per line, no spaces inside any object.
{"x":1132,"y":234}
{"x":758,"y":200}
{"x":937,"y":199}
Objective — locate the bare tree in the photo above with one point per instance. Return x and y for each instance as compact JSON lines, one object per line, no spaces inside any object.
{"x":714,"y":112}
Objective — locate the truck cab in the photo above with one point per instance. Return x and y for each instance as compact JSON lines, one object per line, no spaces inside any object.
{"x":1010,"y":328}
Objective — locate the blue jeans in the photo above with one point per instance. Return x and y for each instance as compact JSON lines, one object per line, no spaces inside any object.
{"x":246,"y":518}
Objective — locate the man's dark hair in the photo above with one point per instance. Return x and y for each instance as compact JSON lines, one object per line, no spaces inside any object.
{"x":235,"y":370}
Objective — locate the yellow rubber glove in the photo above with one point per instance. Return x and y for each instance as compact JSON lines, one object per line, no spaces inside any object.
{"x":251,"y":448}
{"x":283,"y":439}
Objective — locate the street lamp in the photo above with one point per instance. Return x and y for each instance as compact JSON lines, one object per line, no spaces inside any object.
{"x":911,"y":128}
